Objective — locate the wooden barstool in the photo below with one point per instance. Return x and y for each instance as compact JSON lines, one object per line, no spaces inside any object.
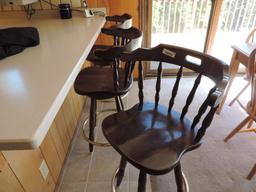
{"x":100,"y":83}
{"x":123,"y":21}
{"x":153,"y":137}
{"x":244,"y":54}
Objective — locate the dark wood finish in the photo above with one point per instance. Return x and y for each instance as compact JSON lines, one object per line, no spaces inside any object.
{"x":142,"y":182}
{"x":119,"y":103}
{"x":92,"y":122}
{"x":123,"y":21}
{"x":206,"y":123}
{"x":158,"y":84}
{"x":121,"y":171}
{"x":252,"y":173}
{"x":154,"y":137}
{"x":94,"y":59}
{"x":99,"y":83}
{"x":145,"y":139}
{"x":175,"y":89}
{"x":202,"y":108}
{"x":179,"y":178}
{"x":191,"y":96}
{"x":108,"y":82}
{"x":140,"y":83}
{"x":119,"y":19}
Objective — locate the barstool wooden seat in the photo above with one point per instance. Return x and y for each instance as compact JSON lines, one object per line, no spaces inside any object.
{"x":108,"y":82}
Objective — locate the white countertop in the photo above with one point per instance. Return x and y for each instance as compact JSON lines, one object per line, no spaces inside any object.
{"x":35,"y":82}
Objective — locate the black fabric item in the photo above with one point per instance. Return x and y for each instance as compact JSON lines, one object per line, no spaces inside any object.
{"x":15,"y":40}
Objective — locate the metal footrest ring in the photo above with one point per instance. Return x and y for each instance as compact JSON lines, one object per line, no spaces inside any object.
{"x":94,"y":142}
{"x":185,"y":182}
{"x":113,"y":180}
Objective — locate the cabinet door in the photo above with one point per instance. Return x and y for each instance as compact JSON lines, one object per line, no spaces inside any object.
{"x":62,"y":130}
{"x":51,"y":156}
{"x":76,"y":102}
{"x":69,"y":117}
{"x":57,"y":142}
{"x":25,"y":165}
{"x":8,"y":181}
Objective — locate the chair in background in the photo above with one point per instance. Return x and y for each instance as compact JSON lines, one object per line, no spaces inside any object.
{"x":99,"y":83}
{"x":116,"y":21}
{"x":250,"y":109}
{"x":244,"y":54}
{"x":154,"y":137}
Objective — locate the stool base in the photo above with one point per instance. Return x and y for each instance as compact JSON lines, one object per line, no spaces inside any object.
{"x":113,"y":181}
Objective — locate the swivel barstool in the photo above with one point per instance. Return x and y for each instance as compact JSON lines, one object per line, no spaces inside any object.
{"x":100,"y":83}
{"x":123,"y":21}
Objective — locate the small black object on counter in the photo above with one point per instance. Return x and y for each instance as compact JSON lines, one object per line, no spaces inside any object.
{"x":65,"y":11}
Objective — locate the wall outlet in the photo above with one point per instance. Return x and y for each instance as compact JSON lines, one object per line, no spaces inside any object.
{"x":44,"y":170}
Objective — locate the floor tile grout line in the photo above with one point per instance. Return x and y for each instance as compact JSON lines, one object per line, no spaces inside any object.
{"x":79,"y":126}
{"x":88,"y":173}
{"x":90,"y":164}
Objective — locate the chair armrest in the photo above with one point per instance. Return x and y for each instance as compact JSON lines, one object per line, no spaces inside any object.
{"x":119,"y":18}
{"x":110,"y":54}
{"x":216,"y":96}
{"x":129,"y":33}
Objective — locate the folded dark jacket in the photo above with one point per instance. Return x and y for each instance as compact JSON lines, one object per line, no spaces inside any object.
{"x":15,"y":40}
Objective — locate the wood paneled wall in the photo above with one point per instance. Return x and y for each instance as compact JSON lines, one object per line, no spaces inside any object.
{"x":113,"y":6}
{"x":19,"y":170}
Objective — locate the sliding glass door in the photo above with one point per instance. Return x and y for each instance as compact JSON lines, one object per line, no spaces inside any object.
{"x":179,"y":22}
{"x":211,"y":26}
{"x":237,"y":19}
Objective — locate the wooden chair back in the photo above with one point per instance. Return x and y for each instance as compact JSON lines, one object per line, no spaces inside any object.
{"x":127,"y":41}
{"x":131,"y":40}
{"x":121,"y":22}
{"x":251,"y":37}
{"x":202,"y":64}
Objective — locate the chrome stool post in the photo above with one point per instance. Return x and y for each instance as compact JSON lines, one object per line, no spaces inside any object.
{"x":113,"y":181}
{"x":95,"y":143}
